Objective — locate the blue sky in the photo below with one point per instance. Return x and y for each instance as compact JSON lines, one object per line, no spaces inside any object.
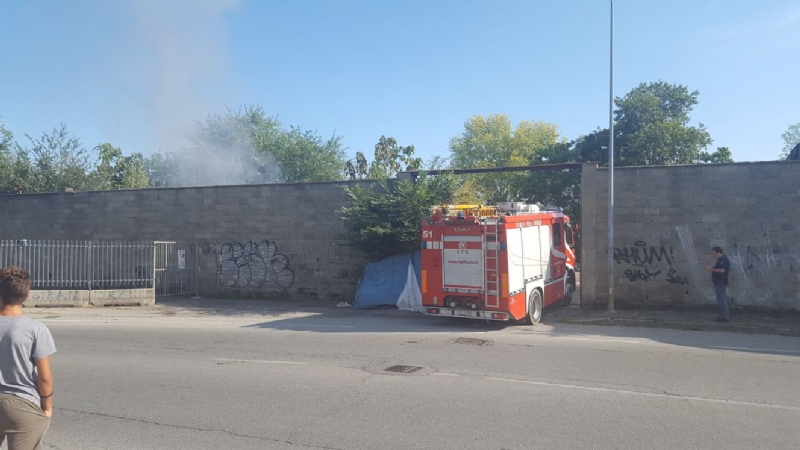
{"x":136,"y":73}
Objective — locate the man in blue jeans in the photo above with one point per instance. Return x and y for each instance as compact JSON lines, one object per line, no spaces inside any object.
{"x":719,"y":277}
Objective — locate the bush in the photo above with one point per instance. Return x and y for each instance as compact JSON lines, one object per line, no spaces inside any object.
{"x":385,"y":218}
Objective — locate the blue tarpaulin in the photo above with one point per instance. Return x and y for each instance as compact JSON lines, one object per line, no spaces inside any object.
{"x":393,"y":281}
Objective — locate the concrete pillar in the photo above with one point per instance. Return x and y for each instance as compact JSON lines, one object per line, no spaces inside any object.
{"x":589,"y":242}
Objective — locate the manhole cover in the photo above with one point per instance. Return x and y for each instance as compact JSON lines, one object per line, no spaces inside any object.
{"x":471,"y":341}
{"x":403,"y":369}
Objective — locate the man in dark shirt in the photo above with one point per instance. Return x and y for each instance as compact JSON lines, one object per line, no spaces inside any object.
{"x":719,"y":277}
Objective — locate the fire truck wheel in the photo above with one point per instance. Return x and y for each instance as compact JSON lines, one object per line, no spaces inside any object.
{"x":570,"y":290}
{"x":534,"y":307}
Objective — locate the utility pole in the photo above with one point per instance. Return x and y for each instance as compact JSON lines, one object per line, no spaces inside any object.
{"x":611,"y":173}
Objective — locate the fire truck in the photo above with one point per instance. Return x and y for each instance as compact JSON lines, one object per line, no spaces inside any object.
{"x":505,"y":262}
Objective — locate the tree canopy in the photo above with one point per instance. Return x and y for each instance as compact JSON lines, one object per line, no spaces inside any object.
{"x":652,"y":129}
{"x":389,"y":160}
{"x":493,"y":141}
{"x":385,"y":216}
{"x":791,"y":139}
{"x":246,"y":146}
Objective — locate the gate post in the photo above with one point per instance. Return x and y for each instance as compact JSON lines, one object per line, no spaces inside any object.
{"x":196,"y":269}
{"x":155,"y":252}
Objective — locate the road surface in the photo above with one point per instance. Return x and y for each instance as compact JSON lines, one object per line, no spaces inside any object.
{"x":138,"y":379}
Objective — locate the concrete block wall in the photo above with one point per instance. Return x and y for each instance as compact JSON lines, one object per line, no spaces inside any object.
{"x":666,"y":221}
{"x":81,"y":298}
{"x":281,"y":240}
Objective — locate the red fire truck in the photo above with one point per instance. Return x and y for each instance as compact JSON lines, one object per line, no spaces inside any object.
{"x":506,"y":262}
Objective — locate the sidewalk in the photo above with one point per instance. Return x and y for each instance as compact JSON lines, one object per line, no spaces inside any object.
{"x":741,"y":322}
{"x":693,"y":319}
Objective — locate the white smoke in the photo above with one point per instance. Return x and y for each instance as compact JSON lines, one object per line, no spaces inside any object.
{"x":185,"y":63}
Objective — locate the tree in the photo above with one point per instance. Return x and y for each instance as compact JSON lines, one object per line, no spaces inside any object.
{"x":228,"y":148}
{"x":359,"y":170}
{"x":385,"y":217}
{"x":116,"y":171}
{"x":791,"y":139}
{"x":389,"y":160}
{"x":55,"y":161}
{"x":162,"y":170}
{"x":492,"y":141}
{"x":652,"y":129}
{"x":557,"y":188}
{"x":721,"y":156}
{"x":246,"y":146}
{"x":303,"y":156}
{"x":7,"y":159}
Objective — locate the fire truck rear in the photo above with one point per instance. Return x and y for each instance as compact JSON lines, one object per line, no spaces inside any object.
{"x":505,"y":262}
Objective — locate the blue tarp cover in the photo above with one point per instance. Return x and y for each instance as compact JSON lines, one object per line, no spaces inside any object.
{"x":384,"y":281}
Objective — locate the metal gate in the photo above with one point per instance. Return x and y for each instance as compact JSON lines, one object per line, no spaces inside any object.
{"x":175,"y":268}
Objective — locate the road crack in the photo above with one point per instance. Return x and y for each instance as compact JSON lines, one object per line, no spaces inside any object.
{"x":209,"y":430}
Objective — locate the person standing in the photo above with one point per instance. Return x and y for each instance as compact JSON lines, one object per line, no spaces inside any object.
{"x":26,"y":381}
{"x":719,"y":278}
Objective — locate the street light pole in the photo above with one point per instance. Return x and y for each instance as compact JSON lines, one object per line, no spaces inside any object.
{"x":611,"y":174}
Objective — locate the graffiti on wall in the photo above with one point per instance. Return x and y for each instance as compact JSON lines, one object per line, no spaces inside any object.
{"x":252,"y":265}
{"x":648,"y":263}
{"x":641,"y":273}
{"x":341,"y":252}
{"x":761,"y":270}
{"x":349,"y":276}
{"x":641,"y":253}
{"x":673,"y":278}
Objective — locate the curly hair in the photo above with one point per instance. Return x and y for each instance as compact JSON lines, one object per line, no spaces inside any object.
{"x":15,"y":285}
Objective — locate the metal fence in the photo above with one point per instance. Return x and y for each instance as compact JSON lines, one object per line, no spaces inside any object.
{"x":82,"y":264}
{"x":175,"y":268}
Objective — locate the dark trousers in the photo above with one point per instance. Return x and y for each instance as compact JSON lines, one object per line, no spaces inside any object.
{"x":722,"y":301}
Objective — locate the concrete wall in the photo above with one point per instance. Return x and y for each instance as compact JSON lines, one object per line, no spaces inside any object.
{"x":114,"y":297}
{"x":667,"y":219}
{"x":287,"y":240}
{"x":272,"y":240}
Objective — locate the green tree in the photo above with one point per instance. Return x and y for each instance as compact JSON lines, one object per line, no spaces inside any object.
{"x":652,"y":129}
{"x":246,"y":146}
{"x":391,"y":159}
{"x":388,"y":161}
{"x":7,"y":160}
{"x":791,"y":139}
{"x":721,"y":156}
{"x":162,"y":170}
{"x":358,"y":167}
{"x":116,"y":171}
{"x":492,"y":141}
{"x":55,"y":161}
{"x":557,"y":188}
{"x":385,"y":217}
{"x":304,"y":156}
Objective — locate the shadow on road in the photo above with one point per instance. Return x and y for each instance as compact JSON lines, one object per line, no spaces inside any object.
{"x":689,"y":329}
{"x":385,"y":322}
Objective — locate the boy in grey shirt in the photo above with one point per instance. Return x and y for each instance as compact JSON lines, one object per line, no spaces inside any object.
{"x":26,"y":381}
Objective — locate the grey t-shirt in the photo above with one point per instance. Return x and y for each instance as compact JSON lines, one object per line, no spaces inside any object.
{"x":23,"y":341}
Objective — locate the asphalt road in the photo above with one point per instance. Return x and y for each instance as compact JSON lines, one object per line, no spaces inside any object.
{"x":140,"y":379}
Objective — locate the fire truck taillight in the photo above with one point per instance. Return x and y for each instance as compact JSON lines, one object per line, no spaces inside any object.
{"x":499,"y":316}
{"x":432,"y":310}
{"x":424,"y":277}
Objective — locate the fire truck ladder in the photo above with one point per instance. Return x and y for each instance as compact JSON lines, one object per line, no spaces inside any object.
{"x":491,"y":282}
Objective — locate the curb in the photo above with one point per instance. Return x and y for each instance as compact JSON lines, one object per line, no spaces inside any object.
{"x":691,"y":326}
